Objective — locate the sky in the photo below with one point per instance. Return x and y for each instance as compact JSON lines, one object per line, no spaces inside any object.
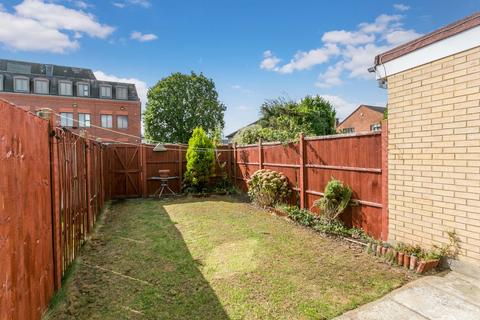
{"x":253,"y":50}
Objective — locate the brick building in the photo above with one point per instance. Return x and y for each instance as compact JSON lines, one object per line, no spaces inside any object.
{"x":364,"y":118}
{"x":81,"y":101}
{"x":434,"y":137}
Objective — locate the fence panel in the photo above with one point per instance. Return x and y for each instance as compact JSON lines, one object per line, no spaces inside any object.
{"x":357,"y":160}
{"x":26,"y":247}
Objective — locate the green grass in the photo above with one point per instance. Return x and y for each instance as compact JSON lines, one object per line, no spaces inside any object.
{"x":216,"y":258}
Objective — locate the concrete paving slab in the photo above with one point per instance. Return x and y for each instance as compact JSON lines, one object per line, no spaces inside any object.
{"x":386,"y":309}
{"x":447,"y":296}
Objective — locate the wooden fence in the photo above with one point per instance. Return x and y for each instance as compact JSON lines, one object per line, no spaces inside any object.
{"x":51,"y":191}
{"x":53,"y":184}
{"x":359,"y":160}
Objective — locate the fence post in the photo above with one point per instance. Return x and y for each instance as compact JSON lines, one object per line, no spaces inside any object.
{"x":235,"y":164}
{"x":384,"y":233}
{"x":143,"y":149}
{"x":88,"y":179}
{"x":301,"y":182}
{"x":260,"y":154}
{"x":180,"y":167}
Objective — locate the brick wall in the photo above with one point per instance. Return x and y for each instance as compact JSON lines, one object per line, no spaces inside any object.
{"x":361,"y":120}
{"x":95,"y":107}
{"x":434,"y":153}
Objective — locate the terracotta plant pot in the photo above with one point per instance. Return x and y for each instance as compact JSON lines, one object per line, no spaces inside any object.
{"x":383,"y":251}
{"x":425,"y":266}
{"x":413,"y":262}
{"x":400,"y":256}
{"x":406,"y":260}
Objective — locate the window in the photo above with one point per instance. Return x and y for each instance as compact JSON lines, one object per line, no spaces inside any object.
{"x":348,"y":130}
{"x":106,"y":120}
{"x":66,"y":119}
{"x":21,"y":84}
{"x":122,"y":122}
{"x":105,"y":91}
{"x":122,"y":93}
{"x":83,"y":89}
{"x":40,"y":86}
{"x":65,"y":88}
{"x":1,"y":82}
{"x":84,"y":120}
{"x":376,"y":127}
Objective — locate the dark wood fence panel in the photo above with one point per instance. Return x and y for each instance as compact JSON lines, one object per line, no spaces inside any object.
{"x":26,"y":245}
{"x":357,"y":160}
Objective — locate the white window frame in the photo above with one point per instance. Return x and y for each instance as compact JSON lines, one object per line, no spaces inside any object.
{"x":37,"y":80}
{"x":21,"y":78}
{"x":348,"y":130}
{"x":1,"y":82}
{"x":376,"y":127}
{"x":60,"y":82}
{"x":105,"y":96}
{"x":78,"y":89}
{"x":120,"y":125}
{"x":86,"y":122}
{"x":65,"y":120}
{"x":126,"y":93}
{"x":107,"y":123}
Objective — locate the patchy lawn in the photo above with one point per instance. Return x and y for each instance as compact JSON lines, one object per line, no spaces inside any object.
{"x":215,"y":258}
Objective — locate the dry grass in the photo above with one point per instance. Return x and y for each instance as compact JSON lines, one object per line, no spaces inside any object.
{"x":216,"y":258}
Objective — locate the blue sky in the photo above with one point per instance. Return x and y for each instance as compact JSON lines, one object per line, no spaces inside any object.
{"x":253,"y":50}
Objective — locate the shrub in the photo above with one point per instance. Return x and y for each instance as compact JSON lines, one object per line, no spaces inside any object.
{"x":302,"y":216}
{"x":200,"y":161}
{"x":267,"y":187}
{"x":336,"y":198}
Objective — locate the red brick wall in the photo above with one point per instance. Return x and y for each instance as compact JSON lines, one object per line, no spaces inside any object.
{"x":361,"y":120}
{"x":95,"y":107}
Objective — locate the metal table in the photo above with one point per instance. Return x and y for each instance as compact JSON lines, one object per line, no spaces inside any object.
{"x":163,"y":185}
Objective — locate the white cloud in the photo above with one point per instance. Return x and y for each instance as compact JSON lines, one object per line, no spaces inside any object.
{"x":243,"y":108}
{"x":347,"y":37}
{"x":401,"y":7}
{"x":401,"y":36}
{"x":47,"y":27}
{"x":342,"y":106}
{"x":140,"y":3}
{"x":270,"y":61}
{"x":346,"y":52}
{"x":306,"y":60}
{"x":331,"y":77}
{"x":142,"y":88}
{"x":58,"y":17}
{"x":143,"y":37}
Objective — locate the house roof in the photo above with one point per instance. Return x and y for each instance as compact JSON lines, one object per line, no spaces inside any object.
{"x":231,"y":135}
{"x":428,"y":39}
{"x":374,"y":108}
{"x":9,"y":69}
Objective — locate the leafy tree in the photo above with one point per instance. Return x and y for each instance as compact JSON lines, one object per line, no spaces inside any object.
{"x":200,"y":160}
{"x":283,"y":120}
{"x":179,"y":103}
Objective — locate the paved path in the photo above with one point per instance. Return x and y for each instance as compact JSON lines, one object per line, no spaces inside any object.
{"x":447,"y":296}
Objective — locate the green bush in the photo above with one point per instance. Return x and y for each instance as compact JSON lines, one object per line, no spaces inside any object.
{"x":268,"y":188}
{"x":336,"y":198}
{"x":302,"y":216}
{"x":200,"y":161}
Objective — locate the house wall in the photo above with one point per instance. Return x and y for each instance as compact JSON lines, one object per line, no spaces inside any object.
{"x":95,"y":107}
{"x":434,"y":153}
{"x":361,"y":120}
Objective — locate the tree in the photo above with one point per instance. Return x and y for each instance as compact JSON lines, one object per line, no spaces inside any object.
{"x":200,"y":160}
{"x":283,"y":120}
{"x":178,"y":104}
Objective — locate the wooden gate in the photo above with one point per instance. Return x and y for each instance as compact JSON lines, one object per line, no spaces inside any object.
{"x":125,"y":169}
